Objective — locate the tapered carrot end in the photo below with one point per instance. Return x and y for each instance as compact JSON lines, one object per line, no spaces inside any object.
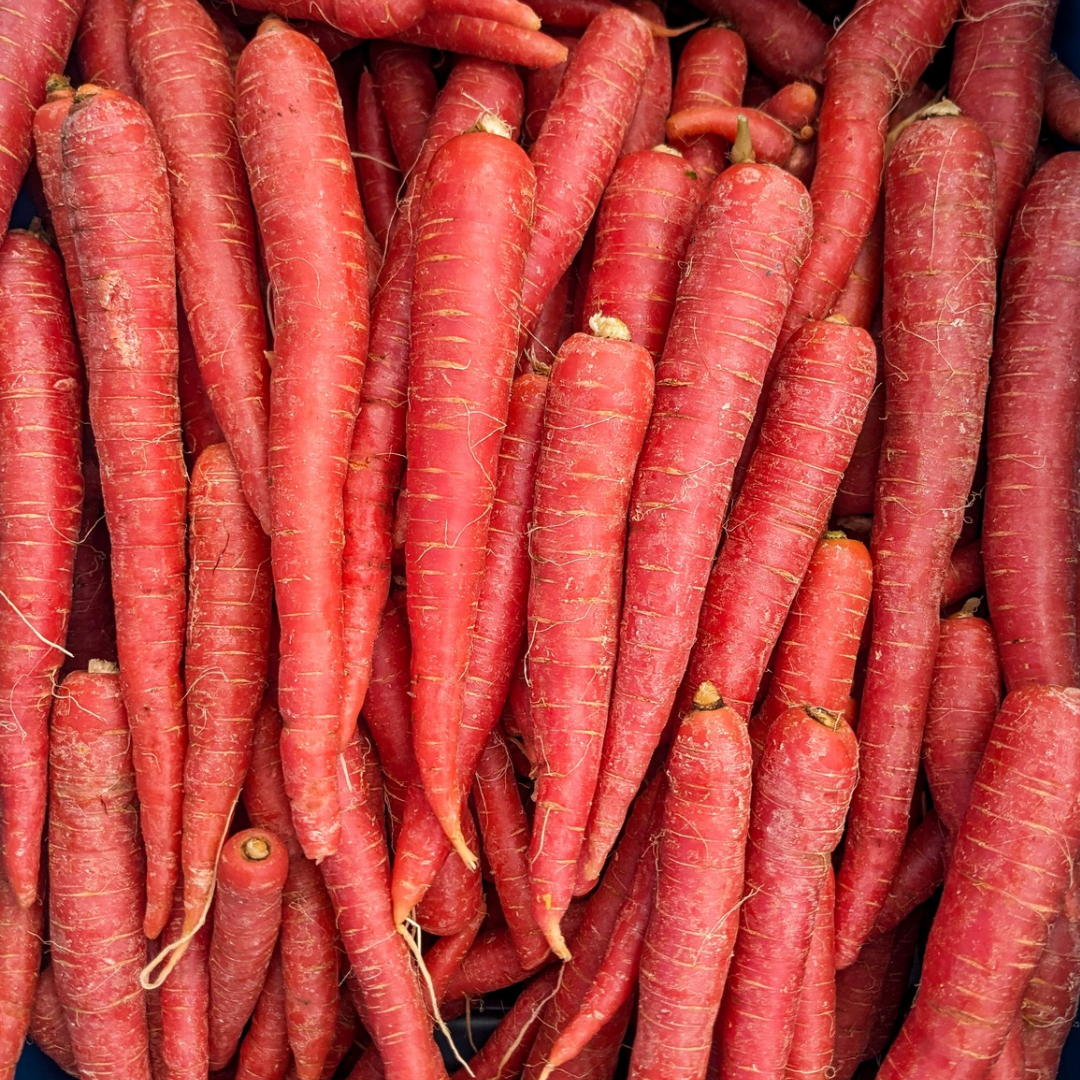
{"x":556,"y":941}
{"x":154,"y":921}
{"x":846,"y":954}
{"x":549,"y":1068}
{"x":467,"y":857}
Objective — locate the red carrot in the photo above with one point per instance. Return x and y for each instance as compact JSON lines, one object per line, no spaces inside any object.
{"x":918,"y":874}
{"x":691,"y":934}
{"x":754,"y":215}
{"x":991,"y":925}
{"x":592,"y":113}
{"x":486,"y":38}
{"x":472,"y":227}
{"x":861,"y":294}
{"x":101,"y":45}
{"x":855,"y":496}
{"x":802,"y":788}
{"x":570,"y":14}
{"x":21,"y":930}
{"x":1011,"y":1064}
{"x":197,"y":420}
{"x":1061,"y":107}
{"x":858,"y":990}
{"x":48,"y":1025}
{"x":796,"y":105}
{"x":597,"y":411}
{"x":456,"y":893}
{"x":232,"y":37}
{"x":1031,"y":447}
{"x":772,"y":141}
{"x":997,"y":78}
{"x":96,"y":890}
{"x":264,"y":1053}
{"x":185,"y":1001}
{"x":510,"y":12}
{"x":712,"y":71}
{"x":541,"y":86}
{"x":247,"y":917}
{"x":642,"y":231}
{"x":40,"y":510}
{"x":377,"y":170}
{"x":182,"y":71}
{"x":965,"y":575}
{"x":320,"y":313}
{"x":493,"y":962}
{"x":361,"y":18}
{"x":647,"y":126}
{"x":123,"y":240}
{"x":894,"y":987}
{"x":936,"y":377}
{"x":405,"y":84}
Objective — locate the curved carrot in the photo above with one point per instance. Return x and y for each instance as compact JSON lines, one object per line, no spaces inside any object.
{"x":510,"y":12}
{"x":486,"y":38}
{"x":772,"y":141}
{"x":100,"y":47}
{"x":377,"y":171}
{"x":1061,"y":107}
{"x":128,"y":338}
{"x":918,"y":874}
{"x":184,"y":1001}
{"x":21,"y":930}
{"x":861,"y":294}
{"x":796,"y":105}
{"x":646,"y":128}
{"x":48,"y":1025}
{"x":286,"y":96}
{"x":361,"y":18}
{"x":405,"y":84}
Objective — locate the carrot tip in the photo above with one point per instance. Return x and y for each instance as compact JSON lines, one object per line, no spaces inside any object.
{"x":557,"y":942}
{"x":467,"y":857}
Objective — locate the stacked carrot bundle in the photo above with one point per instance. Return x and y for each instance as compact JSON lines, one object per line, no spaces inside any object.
{"x":523,"y":501}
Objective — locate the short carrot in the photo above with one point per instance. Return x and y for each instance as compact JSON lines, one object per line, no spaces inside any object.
{"x":796,"y":105}
{"x":772,"y":141}
{"x":405,"y":84}
{"x":21,"y":930}
{"x":100,"y":47}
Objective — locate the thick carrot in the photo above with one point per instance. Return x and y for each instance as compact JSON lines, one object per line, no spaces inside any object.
{"x":1061,"y":104}
{"x":711,"y":71}
{"x":21,"y":930}
{"x":816,"y":406}
{"x":1032,"y":421}
{"x":405,"y":84}
{"x":361,"y":18}
{"x":597,"y":411}
{"x":591,"y":113}
{"x":184,"y":1001}
{"x":493,"y":962}
{"x":41,"y":494}
{"x":485,"y":38}
{"x":646,"y":129}
{"x":264,"y":1052}
{"x":965,"y":575}
{"x":48,"y":1025}
{"x":377,"y":171}
{"x":691,"y":935}
{"x":541,"y":86}
{"x":772,"y":141}
{"x":997,"y":78}
{"x":642,"y":230}
{"x":472,"y":233}
{"x":247,"y":916}
{"x":182,"y":71}
{"x":992,"y":923}
{"x":754,"y":216}
{"x":802,"y":788}
{"x":918,"y":874}
{"x":938,"y":323}
{"x":858,"y":989}
{"x":198,"y":423}
{"x":96,"y":891}
{"x":123,"y":241}
{"x":287,"y":98}
{"x":101,"y":49}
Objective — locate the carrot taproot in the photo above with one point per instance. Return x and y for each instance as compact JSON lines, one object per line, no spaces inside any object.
{"x":486,"y":38}
{"x":472,"y":228}
{"x":861,"y":294}
{"x":493,"y":962}
{"x":642,"y":231}
{"x":592,"y":112}
{"x":598,"y":407}
{"x":541,"y":86}
{"x":198,"y":424}
{"x":457,"y":890}
{"x":802,"y":788}
{"x":405,"y":84}
{"x":21,"y":930}
{"x":858,"y":989}
{"x":691,"y":934}
{"x":377,"y":170}
{"x":41,"y":493}
{"x":918,"y":874}
{"x":96,"y":888}
{"x":938,"y":325}
{"x":894,"y":987}
{"x":184,"y":1000}
{"x":247,"y":917}
{"x":264,"y":1051}
{"x":1031,"y":439}
{"x":772,"y":141}
{"x":286,"y":96}
{"x":100,"y":47}
{"x":48,"y":1025}
{"x":965,"y":575}
{"x":754,"y":216}
{"x":646,"y":128}
{"x":795,"y":105}
{"x":997,"y":77}
{"x":1061,"y":103}
{"x":361,"y":18}
{"x":183,"y":75}
{"x":1024,"y":800}
{"x":123,"y":243}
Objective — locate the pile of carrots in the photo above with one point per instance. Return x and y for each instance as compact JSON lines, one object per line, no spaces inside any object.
{"x":566,"y":507}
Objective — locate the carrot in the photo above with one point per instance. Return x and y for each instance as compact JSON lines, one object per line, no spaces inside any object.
{"x":855,"y":496}
{"x":569,"y":14}
{"x":100,"y":48}
{"x":1061,"y":104}
{"x":21,"y":930}
{"x":247,"y":917}
{"x":184,"y":1001}
{"x":997,"y":77}
{"x":647,"y":126}
{"x":456,"y":893}
{"x":936,"y":378}
{"x":493,"y":962}
{"x":346,"y":1035}
{"x":48,"y":1025}
{"x":510,"y":12}
{"x":1015,"y":807}
{"x":753,"y":216}
{"x":183,"y":75}
{"x":40,"y":509}
{"x":591,"y":112}
{"x":541,"y":86}
{"x":1032,"y":441}
{"x":642,"y":230}
{"x":473,"y":217}
{"x":378,"y":447}
{"x":918,"y":874}
{"x":874,"y":59}
{"x":264,"y":1053}
{"x":597,"y":410}
{"x":486,"y":38}
{"x":802,"y":788}
{"x":361,"y":18}
{"x":772,"y":141}
{"x":555,"y":324}
{"x":405,"y":84}
{"x":965,"y":574}
{"x":858,"y":990}
{"x":198,"y":423}
{"x":894,"y":987}
{"x":796,"y":105}
{"x":1010,"y":1064}
{"x":711,"y":71}
{"x":320,"y":313}
{"x":816,"y":406}
{"x":128,"y":338}
{"x":964,"y":699}
{"x":859,"y":298}
{"x":232,"y":37}
{"x":377,"y":170}
{"x":691,"y":934}
{"x":96,"y":889}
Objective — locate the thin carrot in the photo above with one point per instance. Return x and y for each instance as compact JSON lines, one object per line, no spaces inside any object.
{"x":1061,"y":108}
{"x":48,"y":1025}
{"x":773,"y":142}
{"x":498,"y":41}
{"x":184,"y":1001}
{"x":405,"y":84}
{"x":918,"y":874}
{"x":377,"y":170}
{"x":21,"y":929}
{"x":647,"y":126}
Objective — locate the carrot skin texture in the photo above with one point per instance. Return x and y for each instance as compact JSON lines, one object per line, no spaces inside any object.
{"x":1031,"y":442}
{"x":591,"y":112}
{"x":802,"y":788}
{"x":183,"y":74}
{"x":642,"y":231}
{"x":472,"y":233}
{"x":405,"y":85}
{"x":541,"y":86}
{"x":361,"y":18}
{"x":377,"y":171}
{"x":48,"y":1025}
{"x":598,"y":407}
{"x":485,"y":38}
{"x":100,"y":47}
{"x":286,"y":96}
{"x":796,"y":105}
{"x":858,"y":989}
{"x":772,"y":141}
{"x":21,"y":930}
{"x":997,"y":78}
{"x":935,"y":394}
{"x":456,"y":893}
{"x":129,"y":344}
{"x":646,"y":128}
{"x":569,"y":14}
{"x":1061,"y":104}
{"x":264,"y":1053}
{"x":691,"y":935}
{"x":41,"y":493}
{"x":894,"y":985}
{"x":1015,"y":806}
{"x":198,"y":423}
{"x":96,"y":891}
{"x":754,"y":216}
{"x":860,"y":297}
{"x":185,"y":1002}
{"x":918,"y":874}
{"x":965,"y":575}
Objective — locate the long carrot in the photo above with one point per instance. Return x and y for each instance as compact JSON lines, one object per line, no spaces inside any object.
{"x":646,"y":128}
{"x":1061,"y":108}
{"x":405,"y":83}
{"x":100,"y":47}
{"x":487,"y":38}
{"x":123,"y":243}
{"x":772,"y":141}
{"x":21,"y":930}
{"x":377,"y":170}
{"x":184,"y":1001}
{"x":264,"y":1052}
{"x":918,"y":874}
{"x":361,"y":18}
{"x":48,"y":1025}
